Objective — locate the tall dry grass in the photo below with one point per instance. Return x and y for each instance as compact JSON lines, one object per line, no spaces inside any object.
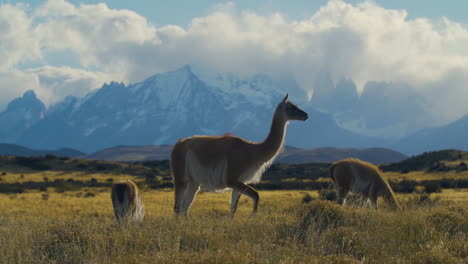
{"x":73,"y":227}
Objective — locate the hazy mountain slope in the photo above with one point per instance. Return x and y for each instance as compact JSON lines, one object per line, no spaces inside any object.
{"x":320,"y":130}
{"x":133,"y":153}
{"x":451,"y":136}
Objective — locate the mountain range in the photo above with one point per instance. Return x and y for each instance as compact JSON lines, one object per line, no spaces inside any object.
{"x":451,"y":136}
{"x":185,"y":102}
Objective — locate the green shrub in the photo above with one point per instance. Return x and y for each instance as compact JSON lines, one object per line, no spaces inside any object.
{"x":50,"y":157}
{"x":34,"y":163}
{"x":68,"y":185}
{"x":307,"y":198}
{"x":328,"y":194}
{"x":433,"y":186}
{"x":404,"y":186}
{"x":89,"y":194}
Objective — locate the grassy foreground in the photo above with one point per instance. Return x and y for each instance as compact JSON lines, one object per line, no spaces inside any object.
{"x":78,"y":227}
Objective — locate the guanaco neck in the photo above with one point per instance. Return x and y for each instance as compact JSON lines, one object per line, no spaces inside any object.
{"x":273,"y":143}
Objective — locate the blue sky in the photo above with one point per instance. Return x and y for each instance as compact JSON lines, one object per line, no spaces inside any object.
{"x":60,"y":48}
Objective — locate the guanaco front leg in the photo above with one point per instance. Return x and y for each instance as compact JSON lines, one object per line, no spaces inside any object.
{"x":247,"y":191}
{"x":235,"y":195}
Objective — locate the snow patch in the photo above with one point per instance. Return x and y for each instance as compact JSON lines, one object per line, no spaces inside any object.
{"x":127,"y":125}
{"x":359,"y":126}
{"x":89,"y":131}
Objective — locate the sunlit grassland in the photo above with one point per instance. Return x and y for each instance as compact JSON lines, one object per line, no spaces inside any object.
{"x":459,"y":196}
{"x":424,"y":176}
{"x":60,"y":175}
{"x":96,"y":202}
{"x":21,"y":177}
{"x":78,"y":227}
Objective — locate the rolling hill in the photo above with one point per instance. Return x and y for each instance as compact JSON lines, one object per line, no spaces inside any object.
{"x":133,"y":153}
{"x":16,"y":150}
{"x":434,"y":161}
{"x":289,"y":155}
{"x":373,"y":155}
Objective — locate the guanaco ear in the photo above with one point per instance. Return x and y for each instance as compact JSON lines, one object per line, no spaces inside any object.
{"x":285,"y":99}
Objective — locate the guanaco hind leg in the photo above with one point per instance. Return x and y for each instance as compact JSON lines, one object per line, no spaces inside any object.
{"x":179,"y":196}
{"x":341,"y":193}
{"x":190,"y":193}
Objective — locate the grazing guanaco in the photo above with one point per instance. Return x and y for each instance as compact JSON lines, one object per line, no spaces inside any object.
{"x":357,"y":176}
{"x":127,"y":202}
{"x":216,"y":163}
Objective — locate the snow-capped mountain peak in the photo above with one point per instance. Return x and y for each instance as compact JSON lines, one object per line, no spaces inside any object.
{"x":259,"y":89}
{"x":158,"y":110}
{"x":20,"y":114}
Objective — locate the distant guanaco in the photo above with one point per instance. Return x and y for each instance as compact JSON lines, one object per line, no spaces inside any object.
{"x":357,"y":176}
{"x":217,"y":163}
{"x":127,"y":202}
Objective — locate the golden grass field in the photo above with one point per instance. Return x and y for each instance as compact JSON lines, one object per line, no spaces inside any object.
{"x":423,"y":175}
{"x":22,"y":177}
{"x":78,"y":227}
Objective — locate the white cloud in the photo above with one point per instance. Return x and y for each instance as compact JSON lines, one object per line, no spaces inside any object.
{"x":56,"y":83}
{"x":364,"y":42}
{"x":51,"y":84}
{"x":99,"y":36}
{"x":17,"y":43}
{"x":13,"y":84}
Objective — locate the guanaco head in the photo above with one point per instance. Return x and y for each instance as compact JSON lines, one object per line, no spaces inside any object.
{"x":291,"y":111}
